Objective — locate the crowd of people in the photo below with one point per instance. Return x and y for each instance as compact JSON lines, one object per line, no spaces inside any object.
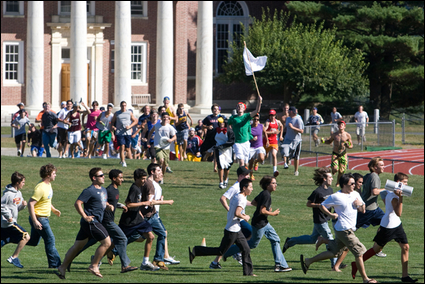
{"x":354,"y":206}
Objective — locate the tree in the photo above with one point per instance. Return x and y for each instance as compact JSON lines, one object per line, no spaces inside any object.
{"x":302,"y":60}
{"x":390,"y":33}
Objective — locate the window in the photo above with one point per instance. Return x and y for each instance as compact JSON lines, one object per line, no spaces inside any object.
{"x":112,"y":56}
{"x":228,"y":29}
{"x":65,"y":7}
{"x":139,"y":9}
{"x":138,"y":62}
{"x":13,"y":7}
{"x":13,"y":62}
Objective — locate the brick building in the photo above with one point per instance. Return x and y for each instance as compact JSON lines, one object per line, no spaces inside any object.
{"x":50,"y":53}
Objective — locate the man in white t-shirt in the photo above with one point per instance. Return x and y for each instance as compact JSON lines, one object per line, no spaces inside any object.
{"x":335,"y":117}
{"x":63,"y":130}
{"x":362,"y":120}
{"x":165,"y":134}
{"x":346,"y":203}
{"x":232,"y":231}
{"x":391,"y":229}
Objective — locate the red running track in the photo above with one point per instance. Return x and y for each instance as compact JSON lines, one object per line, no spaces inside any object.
{"x":416,"y":155}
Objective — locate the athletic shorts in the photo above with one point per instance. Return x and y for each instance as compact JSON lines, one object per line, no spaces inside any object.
{"x":93,"y":230}
{"x":272,"y":146}
{"x":20,"y":137}
{"x":192,"y":158}
{"x":134,"y":141}
{"x":384,"y":235}
{"x":74,"y":136}
{"x":292,"y":150}
{"x":340,"y":162}
{"x":141,"y":228}
{"x":92,"y":133}
{"x":13,"y":234}
{"x":62,"y":135}
{"x":360,"y":130}
{"x":162,"y":154}
{"x":40,"y":150}
{"x":254,"y":152}
{"x":104,"y":137}
{"x":182,"y":135}
{"x":124,"y":140}
{"x":347,"y":239}
{"x":241,"y":151}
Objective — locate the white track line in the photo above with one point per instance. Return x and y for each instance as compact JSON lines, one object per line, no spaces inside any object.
{"x":410,"y":171}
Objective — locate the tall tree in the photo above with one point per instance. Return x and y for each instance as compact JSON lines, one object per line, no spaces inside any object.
{"x":390,"y":33}
{"x":302,"y":60}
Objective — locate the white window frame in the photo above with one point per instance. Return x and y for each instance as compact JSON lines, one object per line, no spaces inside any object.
{"x":20,"y":74}
{"x":230,"y":21}
{"x":142,"y":81}
{"x":21,"y":9}
{"x":91,"y":11}
{"x":145,"y":11}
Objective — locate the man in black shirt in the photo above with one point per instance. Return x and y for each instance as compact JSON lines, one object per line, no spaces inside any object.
{"x":322,"y":178}
{"x":34,"y":137}
{"x":132,"y":221}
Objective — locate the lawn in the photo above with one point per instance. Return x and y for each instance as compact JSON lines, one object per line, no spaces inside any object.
{"x":197,"y":214}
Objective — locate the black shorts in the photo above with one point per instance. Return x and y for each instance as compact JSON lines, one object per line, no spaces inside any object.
{"x":93,"y":230}
{"x":13,"y":234}
{"x":141,"y":228}
{"x":62,"y":135}
{"x":20,"y":137}
{"x":384,"y":235}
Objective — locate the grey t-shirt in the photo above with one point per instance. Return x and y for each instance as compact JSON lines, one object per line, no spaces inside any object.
{"x":21,"y":121}
{"x":291,"y":135}
{"x":370,"y":181}
{"x":123,"y":119}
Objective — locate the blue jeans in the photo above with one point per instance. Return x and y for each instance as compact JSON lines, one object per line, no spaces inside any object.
{"x":118,"y":238}
{"x":257,"y":235}
{"x":49,"y":139}
{"x":46,"y":233}
{"x":318,"y":229}
{"x":159,"y":229}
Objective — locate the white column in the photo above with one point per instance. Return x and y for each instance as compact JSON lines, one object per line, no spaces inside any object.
{"x":35,"y":57}
{"x":78,"y":45}
{"x":164,"y":52}
{"x":98,"y":81}
{"x":122,"y":80}
{"x":204,"y":58}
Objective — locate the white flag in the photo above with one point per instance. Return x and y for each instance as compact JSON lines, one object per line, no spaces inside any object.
{"x":257,"y":63}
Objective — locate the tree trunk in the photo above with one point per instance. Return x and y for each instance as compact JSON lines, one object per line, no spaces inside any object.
{"x":385,"y":108}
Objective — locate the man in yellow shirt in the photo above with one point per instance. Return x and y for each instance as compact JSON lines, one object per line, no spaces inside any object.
{"x":40,"y":206}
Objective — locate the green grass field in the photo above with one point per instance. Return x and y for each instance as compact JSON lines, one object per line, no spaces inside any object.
{"x":197,"y":214}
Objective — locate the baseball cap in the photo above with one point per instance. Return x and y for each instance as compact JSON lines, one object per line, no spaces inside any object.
{"x":243,"y":171}
{"x":63,"y":103}
{"x":242,"y":103}
{"x":292,"y":109}
{"x":20,"y":104}
{"x":102,"y":108}
{"x":166,"y":99}
{"x":192,"y":129}
{"x":272,"y":111}
{"x":315,"y":108}
{"x":111,"y":104}
{"x":341,"y":121}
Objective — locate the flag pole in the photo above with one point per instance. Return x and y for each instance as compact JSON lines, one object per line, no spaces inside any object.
{"x":255,"y":81}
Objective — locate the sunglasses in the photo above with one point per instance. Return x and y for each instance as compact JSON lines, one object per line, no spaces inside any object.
{"x":99,"y":176}
{"x":256,"y":120}
{"x":353,"y":183}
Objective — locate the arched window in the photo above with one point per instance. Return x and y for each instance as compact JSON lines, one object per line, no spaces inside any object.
{"x":229,"y":15}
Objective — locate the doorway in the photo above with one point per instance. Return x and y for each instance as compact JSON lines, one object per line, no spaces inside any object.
{"x":66,"y":82}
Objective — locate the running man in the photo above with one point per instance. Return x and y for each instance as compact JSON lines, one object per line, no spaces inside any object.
{"x":342,"y":142}
{"x":271,"y":140}
{"x":291,"y":145}
{"x":362,"y":120}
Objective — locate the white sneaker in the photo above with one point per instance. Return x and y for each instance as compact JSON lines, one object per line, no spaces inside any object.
{"x":64,"y":156}
{"x":149,"y":266}
{"x":285,"y":166}
{"x":221,"y":185}
{"x":124,"y":164}
{"x":171,"y":260}
{"x":381,"y":254}
{"x":19,"y":152}
{"x":296,"y":173}
{"x":104,"y":156}
{"x":60,"y":157}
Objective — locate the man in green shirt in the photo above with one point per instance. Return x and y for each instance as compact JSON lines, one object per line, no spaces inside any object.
{"x":241,"y":126}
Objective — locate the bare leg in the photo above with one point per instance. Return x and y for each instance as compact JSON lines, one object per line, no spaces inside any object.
{"x":122,"y":155}
{"x":296,"y":165}
{"x":220,"y":175}
{"x":21,"y":245}
{"x":340,"y":260}
{"x":321,"y":256}
{"x":71,"y":254}
{"x":404,"y":259}
{"x":22,"y":147}
{"x":148,"y":245}
{"x":100,"y":252}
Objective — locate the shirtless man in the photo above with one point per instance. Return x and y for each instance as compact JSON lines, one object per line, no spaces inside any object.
{"x":342,"y":141}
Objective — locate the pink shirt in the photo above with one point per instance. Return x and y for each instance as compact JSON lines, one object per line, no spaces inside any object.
{"x":91,"y":122}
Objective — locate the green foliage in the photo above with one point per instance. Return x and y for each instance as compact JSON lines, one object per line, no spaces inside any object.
{"x":390,"y":33}
{"x":303,"y":59}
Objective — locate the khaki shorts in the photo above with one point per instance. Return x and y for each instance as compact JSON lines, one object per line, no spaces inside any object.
{"x":162,"y":154}
{"x":347,"y":239}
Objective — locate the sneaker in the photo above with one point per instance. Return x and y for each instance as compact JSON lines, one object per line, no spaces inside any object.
{"x":215,"y":266}
{"x":226,"y":183}
{"x":286,"y":166}
{"x":381,"y":254}
{"x":60,"y":157}
{"x":297,"y":173}
{"x":148,"y":266}
{"x":256,"y":167}
{"x":171,"y":260}
{"x":278,"y":268}
{"x":251,"y":176}
{"x":285,"y":246}
{"x":168,"y":170}
{"x":64,"y":156}
{"x":15,"y":261}
{"x":276,"y":173}
{"x":221,"y":185}
{"x":238,"y":257}
{"x":19,"y":152}
{"x":408,"y":279}
{"x":124,"y":164}
{"x":160,"y":264}
{"x":104,"y":156}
